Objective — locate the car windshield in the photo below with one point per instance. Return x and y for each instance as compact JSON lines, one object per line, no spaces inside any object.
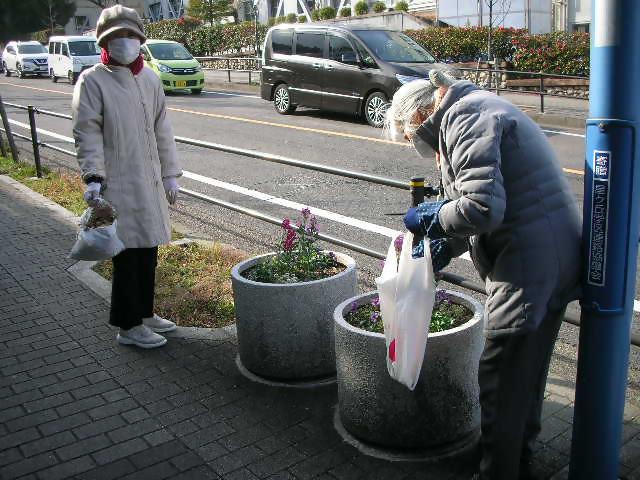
{"x":394,"y":46}
{"x":31,"y":49}
{"x":84,"y":48}
{"x":169,"y":51}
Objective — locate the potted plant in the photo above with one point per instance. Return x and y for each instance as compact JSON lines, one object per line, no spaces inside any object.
{"x":442,"y":415}
{"x":284,"y":303}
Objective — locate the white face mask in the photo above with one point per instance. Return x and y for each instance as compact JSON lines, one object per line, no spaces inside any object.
{"x":124,"y":50}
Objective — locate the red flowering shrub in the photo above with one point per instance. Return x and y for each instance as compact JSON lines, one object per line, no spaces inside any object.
{"x":563,"y":53}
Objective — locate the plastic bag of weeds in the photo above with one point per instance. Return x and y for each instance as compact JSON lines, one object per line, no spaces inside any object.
{"x":97,"y":238}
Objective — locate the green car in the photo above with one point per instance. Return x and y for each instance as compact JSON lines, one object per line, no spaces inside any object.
{"x":175,"y":66}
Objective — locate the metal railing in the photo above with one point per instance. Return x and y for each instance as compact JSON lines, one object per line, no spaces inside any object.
{"x":448,"y":277}
{"x":256,"y":72}
{"x":495,"y":80}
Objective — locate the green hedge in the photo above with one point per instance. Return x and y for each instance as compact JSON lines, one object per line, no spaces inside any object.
{"x":379,"y":7}
{"x":401,"y":6}
{"x":563,"y":53}
{"x":176,"y":30}
{"x":327,"y":13}
{"x":361,"y":8}
{"x":345,"y":12}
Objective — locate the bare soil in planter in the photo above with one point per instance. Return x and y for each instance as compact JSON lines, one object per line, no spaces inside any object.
{"x":445,"y":315}
{"x":250,"y":274}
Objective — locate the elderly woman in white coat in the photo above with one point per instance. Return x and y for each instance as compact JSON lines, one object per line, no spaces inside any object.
{"x":508,"y":202}
{"x":127,"y":154}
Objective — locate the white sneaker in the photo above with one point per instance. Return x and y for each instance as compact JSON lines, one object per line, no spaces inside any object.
{"x":140,"y":336}
{"x":159,"y":324}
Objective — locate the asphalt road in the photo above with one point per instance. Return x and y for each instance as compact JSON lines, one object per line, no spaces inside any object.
{"x":245,"y":121}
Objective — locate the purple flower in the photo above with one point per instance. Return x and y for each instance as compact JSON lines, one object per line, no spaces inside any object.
{"x":333,"y":257}
{"x":286,"y":224}
{"x":353,"y":307}
{"x":397,"y":243}
{"x":376,"y":302}
{"x":290,"y":241}
{"x":313,"y":223}
{"x":306,"y":212}
{"x":442,"y":296}
{"x":375,"y":316}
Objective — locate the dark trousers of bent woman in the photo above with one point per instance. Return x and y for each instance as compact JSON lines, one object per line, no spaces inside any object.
{"x":132,"y":286}
{"x":512,"y":376}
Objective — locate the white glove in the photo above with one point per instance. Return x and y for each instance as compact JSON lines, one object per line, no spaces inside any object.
{"x":92,"y":192}
{"x":171,"y":189}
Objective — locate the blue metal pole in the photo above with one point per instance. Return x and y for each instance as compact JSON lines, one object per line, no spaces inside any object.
{"x":610,"y":239}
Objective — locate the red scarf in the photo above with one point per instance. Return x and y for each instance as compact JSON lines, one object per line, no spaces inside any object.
{"x":135,"y":66}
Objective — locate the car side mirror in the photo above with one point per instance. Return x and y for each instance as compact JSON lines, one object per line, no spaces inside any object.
{"x":349,"y":57}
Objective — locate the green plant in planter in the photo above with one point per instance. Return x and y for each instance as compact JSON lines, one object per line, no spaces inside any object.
{"x":298,"y":259}
{"x":445,"y":314}
{"x":315,"y":15}
{"x":361,"y":8}
{"x":292,"y":18}
{"x":302,"y":19}
{"x":327,"y":13}
{"x":345,"y":12}
{"x":401,"y":6}
{"x":379,"y":7}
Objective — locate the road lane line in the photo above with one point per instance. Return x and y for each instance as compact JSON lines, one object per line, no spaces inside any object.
{"x":280,"y":125}
{"x":354,"y":222}
{"x":35,"y":88}
{"x":211,"y":92}
{"x":560,"y":132}
{"x":292,"y":127}
{"x":42,"y":130}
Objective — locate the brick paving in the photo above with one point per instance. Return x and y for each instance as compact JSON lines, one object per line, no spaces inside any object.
{"x":74,"y":404}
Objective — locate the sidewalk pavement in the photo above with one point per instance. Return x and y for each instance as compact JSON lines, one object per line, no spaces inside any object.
{"x":560,"y":112}
{"x":74,"y":404}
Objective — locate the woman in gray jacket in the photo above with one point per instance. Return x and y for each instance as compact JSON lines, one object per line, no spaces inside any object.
{"x":508,"y":202}
{"x":127,"y":153}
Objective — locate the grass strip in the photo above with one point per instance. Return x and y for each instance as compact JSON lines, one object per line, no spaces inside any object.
{"x":193,"y":281}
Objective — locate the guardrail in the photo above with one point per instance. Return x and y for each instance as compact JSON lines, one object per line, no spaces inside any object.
{"x":448,"y":277}
{"x":228,"y":61}
{"x":495,"y":81}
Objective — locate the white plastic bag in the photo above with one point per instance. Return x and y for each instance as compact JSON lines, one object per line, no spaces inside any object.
{"x":97,"y":243}
{"x":407,"y":294}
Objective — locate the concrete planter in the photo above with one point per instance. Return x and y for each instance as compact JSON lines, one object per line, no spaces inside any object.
{"x":441,"y":414}
{"x":285,"y":331}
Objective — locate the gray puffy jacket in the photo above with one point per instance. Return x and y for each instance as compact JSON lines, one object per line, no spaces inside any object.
{"x":512,"y":204}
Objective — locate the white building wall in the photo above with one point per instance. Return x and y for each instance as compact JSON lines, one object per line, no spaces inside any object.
{"x":532,"y":14}
{"x":579,"y":12}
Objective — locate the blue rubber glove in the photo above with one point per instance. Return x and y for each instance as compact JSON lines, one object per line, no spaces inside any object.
{"x":423,"y":220}
{"x":440,"y":253}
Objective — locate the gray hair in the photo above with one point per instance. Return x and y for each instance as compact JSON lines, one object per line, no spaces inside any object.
{"x":418,"y":95}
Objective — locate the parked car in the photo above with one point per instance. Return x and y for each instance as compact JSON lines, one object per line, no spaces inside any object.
{"x":175,"y":66}
{"x":69,"y":56}
{"x":24,"y":58}
{"x":340,"y":68}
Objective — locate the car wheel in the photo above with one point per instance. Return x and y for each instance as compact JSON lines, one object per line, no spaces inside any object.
{"x":375,"y":109}
{"x":54,"y":79}
{"x":72,"y":77}
{"x":19,"y":70}
{"x":282,"y":100}
{"x":7,"y":72}
{"x":196,"y":91}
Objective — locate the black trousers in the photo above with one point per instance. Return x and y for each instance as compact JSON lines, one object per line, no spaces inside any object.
{"x":133,"y":286}
{"x":512,"y":376}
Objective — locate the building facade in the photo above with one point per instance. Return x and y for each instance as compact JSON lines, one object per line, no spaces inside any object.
{"x":87,"y":12}
{"x":571,"y":15}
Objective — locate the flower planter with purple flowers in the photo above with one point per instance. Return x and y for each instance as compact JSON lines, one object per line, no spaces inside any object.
{"x":284,"y":304}
{"x":441,"y":416}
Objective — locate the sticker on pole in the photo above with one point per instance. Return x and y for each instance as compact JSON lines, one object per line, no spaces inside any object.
{"x":599,"y":218}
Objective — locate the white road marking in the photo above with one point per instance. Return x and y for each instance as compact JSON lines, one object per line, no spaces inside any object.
{"x":562,"y":132}
{"x":336,"y":217}
{"x":210,"y":92}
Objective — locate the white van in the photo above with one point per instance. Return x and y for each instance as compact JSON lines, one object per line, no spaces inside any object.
{"x":69,"y":56}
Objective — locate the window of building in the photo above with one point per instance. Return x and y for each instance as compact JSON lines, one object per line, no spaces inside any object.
{"x":282,"y":41}
{"x":310,"y":44}
{"x":581,"y":27}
